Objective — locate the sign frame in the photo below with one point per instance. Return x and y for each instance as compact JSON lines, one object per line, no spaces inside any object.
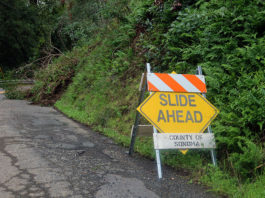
{"x":135,"y":128}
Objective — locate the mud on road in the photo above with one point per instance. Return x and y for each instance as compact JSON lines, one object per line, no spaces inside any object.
{"x":45,"y":154}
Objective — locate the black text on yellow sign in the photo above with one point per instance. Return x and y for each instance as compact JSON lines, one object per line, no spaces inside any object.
{"x":178,"y":112}
{"x":180,"y":116}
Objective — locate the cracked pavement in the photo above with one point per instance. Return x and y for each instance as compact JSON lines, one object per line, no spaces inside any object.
{"x":45,"y":154}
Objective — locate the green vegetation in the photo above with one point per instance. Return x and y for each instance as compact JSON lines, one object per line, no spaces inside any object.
{"x":25,"y":29}
{"x":97,"y":80}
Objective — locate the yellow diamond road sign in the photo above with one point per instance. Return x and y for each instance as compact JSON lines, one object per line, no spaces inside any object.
{"x":178,"y":112}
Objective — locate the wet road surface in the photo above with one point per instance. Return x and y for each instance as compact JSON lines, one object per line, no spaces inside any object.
{"x":45,"y":154}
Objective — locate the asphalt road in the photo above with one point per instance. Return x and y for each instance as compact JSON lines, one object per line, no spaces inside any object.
{"x":45,"y":154}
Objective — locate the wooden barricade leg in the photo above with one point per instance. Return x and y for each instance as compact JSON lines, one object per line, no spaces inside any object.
{"x":137,"y":118}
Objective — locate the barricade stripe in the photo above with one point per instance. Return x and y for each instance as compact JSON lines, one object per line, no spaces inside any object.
{"x":175,"y":86}
{"x":198,"y":83}
{"x":158,"y":83}
{"x":151,"y":87}
{"x":185,"y":83}
{"x":176,"y":82}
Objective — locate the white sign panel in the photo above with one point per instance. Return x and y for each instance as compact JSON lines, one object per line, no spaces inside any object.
{"x":184,"y":140}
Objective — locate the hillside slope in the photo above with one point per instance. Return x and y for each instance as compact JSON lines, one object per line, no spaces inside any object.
{"x":99,"y":77}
